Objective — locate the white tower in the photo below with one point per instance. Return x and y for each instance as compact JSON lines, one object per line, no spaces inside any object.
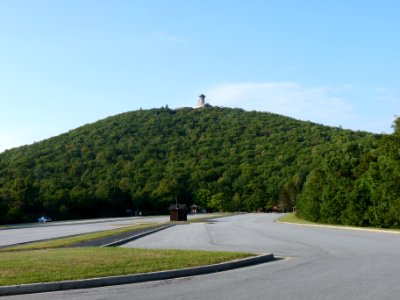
{"x":201,"y":102}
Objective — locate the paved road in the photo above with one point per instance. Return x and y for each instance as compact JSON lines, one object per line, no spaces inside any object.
{"x":321,"y":263}
{"x":33,"y":232}
{"x":59,"y":229}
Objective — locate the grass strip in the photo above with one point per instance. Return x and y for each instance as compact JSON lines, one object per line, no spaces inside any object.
{"x":292,"y":218}
{"x":48,"y":265}
{"x":207,"y":218}
{"x":70,"y":241}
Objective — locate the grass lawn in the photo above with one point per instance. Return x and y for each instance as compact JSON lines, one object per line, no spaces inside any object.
{"x":22,"y":267}
{"x":292,"y":218}
{"x":207,"y":218}
{"x":69,"y":241}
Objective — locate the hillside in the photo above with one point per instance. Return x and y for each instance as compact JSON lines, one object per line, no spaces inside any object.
{"x":219,"y":158}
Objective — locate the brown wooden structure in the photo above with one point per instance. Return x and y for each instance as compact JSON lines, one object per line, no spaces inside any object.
{"x":177,"y":212}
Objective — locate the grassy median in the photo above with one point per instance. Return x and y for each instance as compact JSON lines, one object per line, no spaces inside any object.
{"x":47,"y":265}
{"x":70,"y":241}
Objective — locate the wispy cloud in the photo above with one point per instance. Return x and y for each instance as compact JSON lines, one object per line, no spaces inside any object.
{"x":169,"y":38}
{"x":159,"y":38}
{"x":318,"y":104}
{"x":381,"y":124}
{"x":387,"y":95}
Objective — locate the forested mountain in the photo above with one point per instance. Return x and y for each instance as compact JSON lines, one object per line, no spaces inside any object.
{"x":218,"y":158}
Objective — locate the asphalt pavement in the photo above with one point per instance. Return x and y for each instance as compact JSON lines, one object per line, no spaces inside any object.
{"x":320,"y":263}
{"x":35,"y":232}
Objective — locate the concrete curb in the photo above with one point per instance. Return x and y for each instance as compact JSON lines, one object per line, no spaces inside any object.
{"x":126,"y":279}
{"x":136,"y":236}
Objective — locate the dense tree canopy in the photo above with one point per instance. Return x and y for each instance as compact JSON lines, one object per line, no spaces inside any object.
{"x":357,"y":184}
{"x":218,"y":158}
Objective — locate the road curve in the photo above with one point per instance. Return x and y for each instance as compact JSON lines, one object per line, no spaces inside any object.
{"x":321,"y":263}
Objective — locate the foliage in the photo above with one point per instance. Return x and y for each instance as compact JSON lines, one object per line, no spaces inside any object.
{"x":356,"y":184}
{"x":219,"y":158}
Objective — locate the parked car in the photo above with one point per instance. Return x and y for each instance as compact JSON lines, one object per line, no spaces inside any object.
{"x":44,"y":219}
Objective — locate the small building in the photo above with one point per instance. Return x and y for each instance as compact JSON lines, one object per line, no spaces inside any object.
{"x":177,"y":212}
{"x":194,"y":209}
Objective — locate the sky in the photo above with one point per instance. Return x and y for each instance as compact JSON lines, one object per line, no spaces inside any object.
{"x":67,"y":63}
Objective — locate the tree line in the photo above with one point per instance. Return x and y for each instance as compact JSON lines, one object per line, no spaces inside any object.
{"x":356,"y":184}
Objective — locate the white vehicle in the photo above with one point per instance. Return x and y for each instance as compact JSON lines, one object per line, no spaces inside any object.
{"x":44,"y":219}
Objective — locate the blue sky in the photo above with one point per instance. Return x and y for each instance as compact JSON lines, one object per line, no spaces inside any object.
{"x":67,"y":63}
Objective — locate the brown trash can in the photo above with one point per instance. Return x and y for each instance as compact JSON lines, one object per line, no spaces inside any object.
{"x":177,"y":213}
